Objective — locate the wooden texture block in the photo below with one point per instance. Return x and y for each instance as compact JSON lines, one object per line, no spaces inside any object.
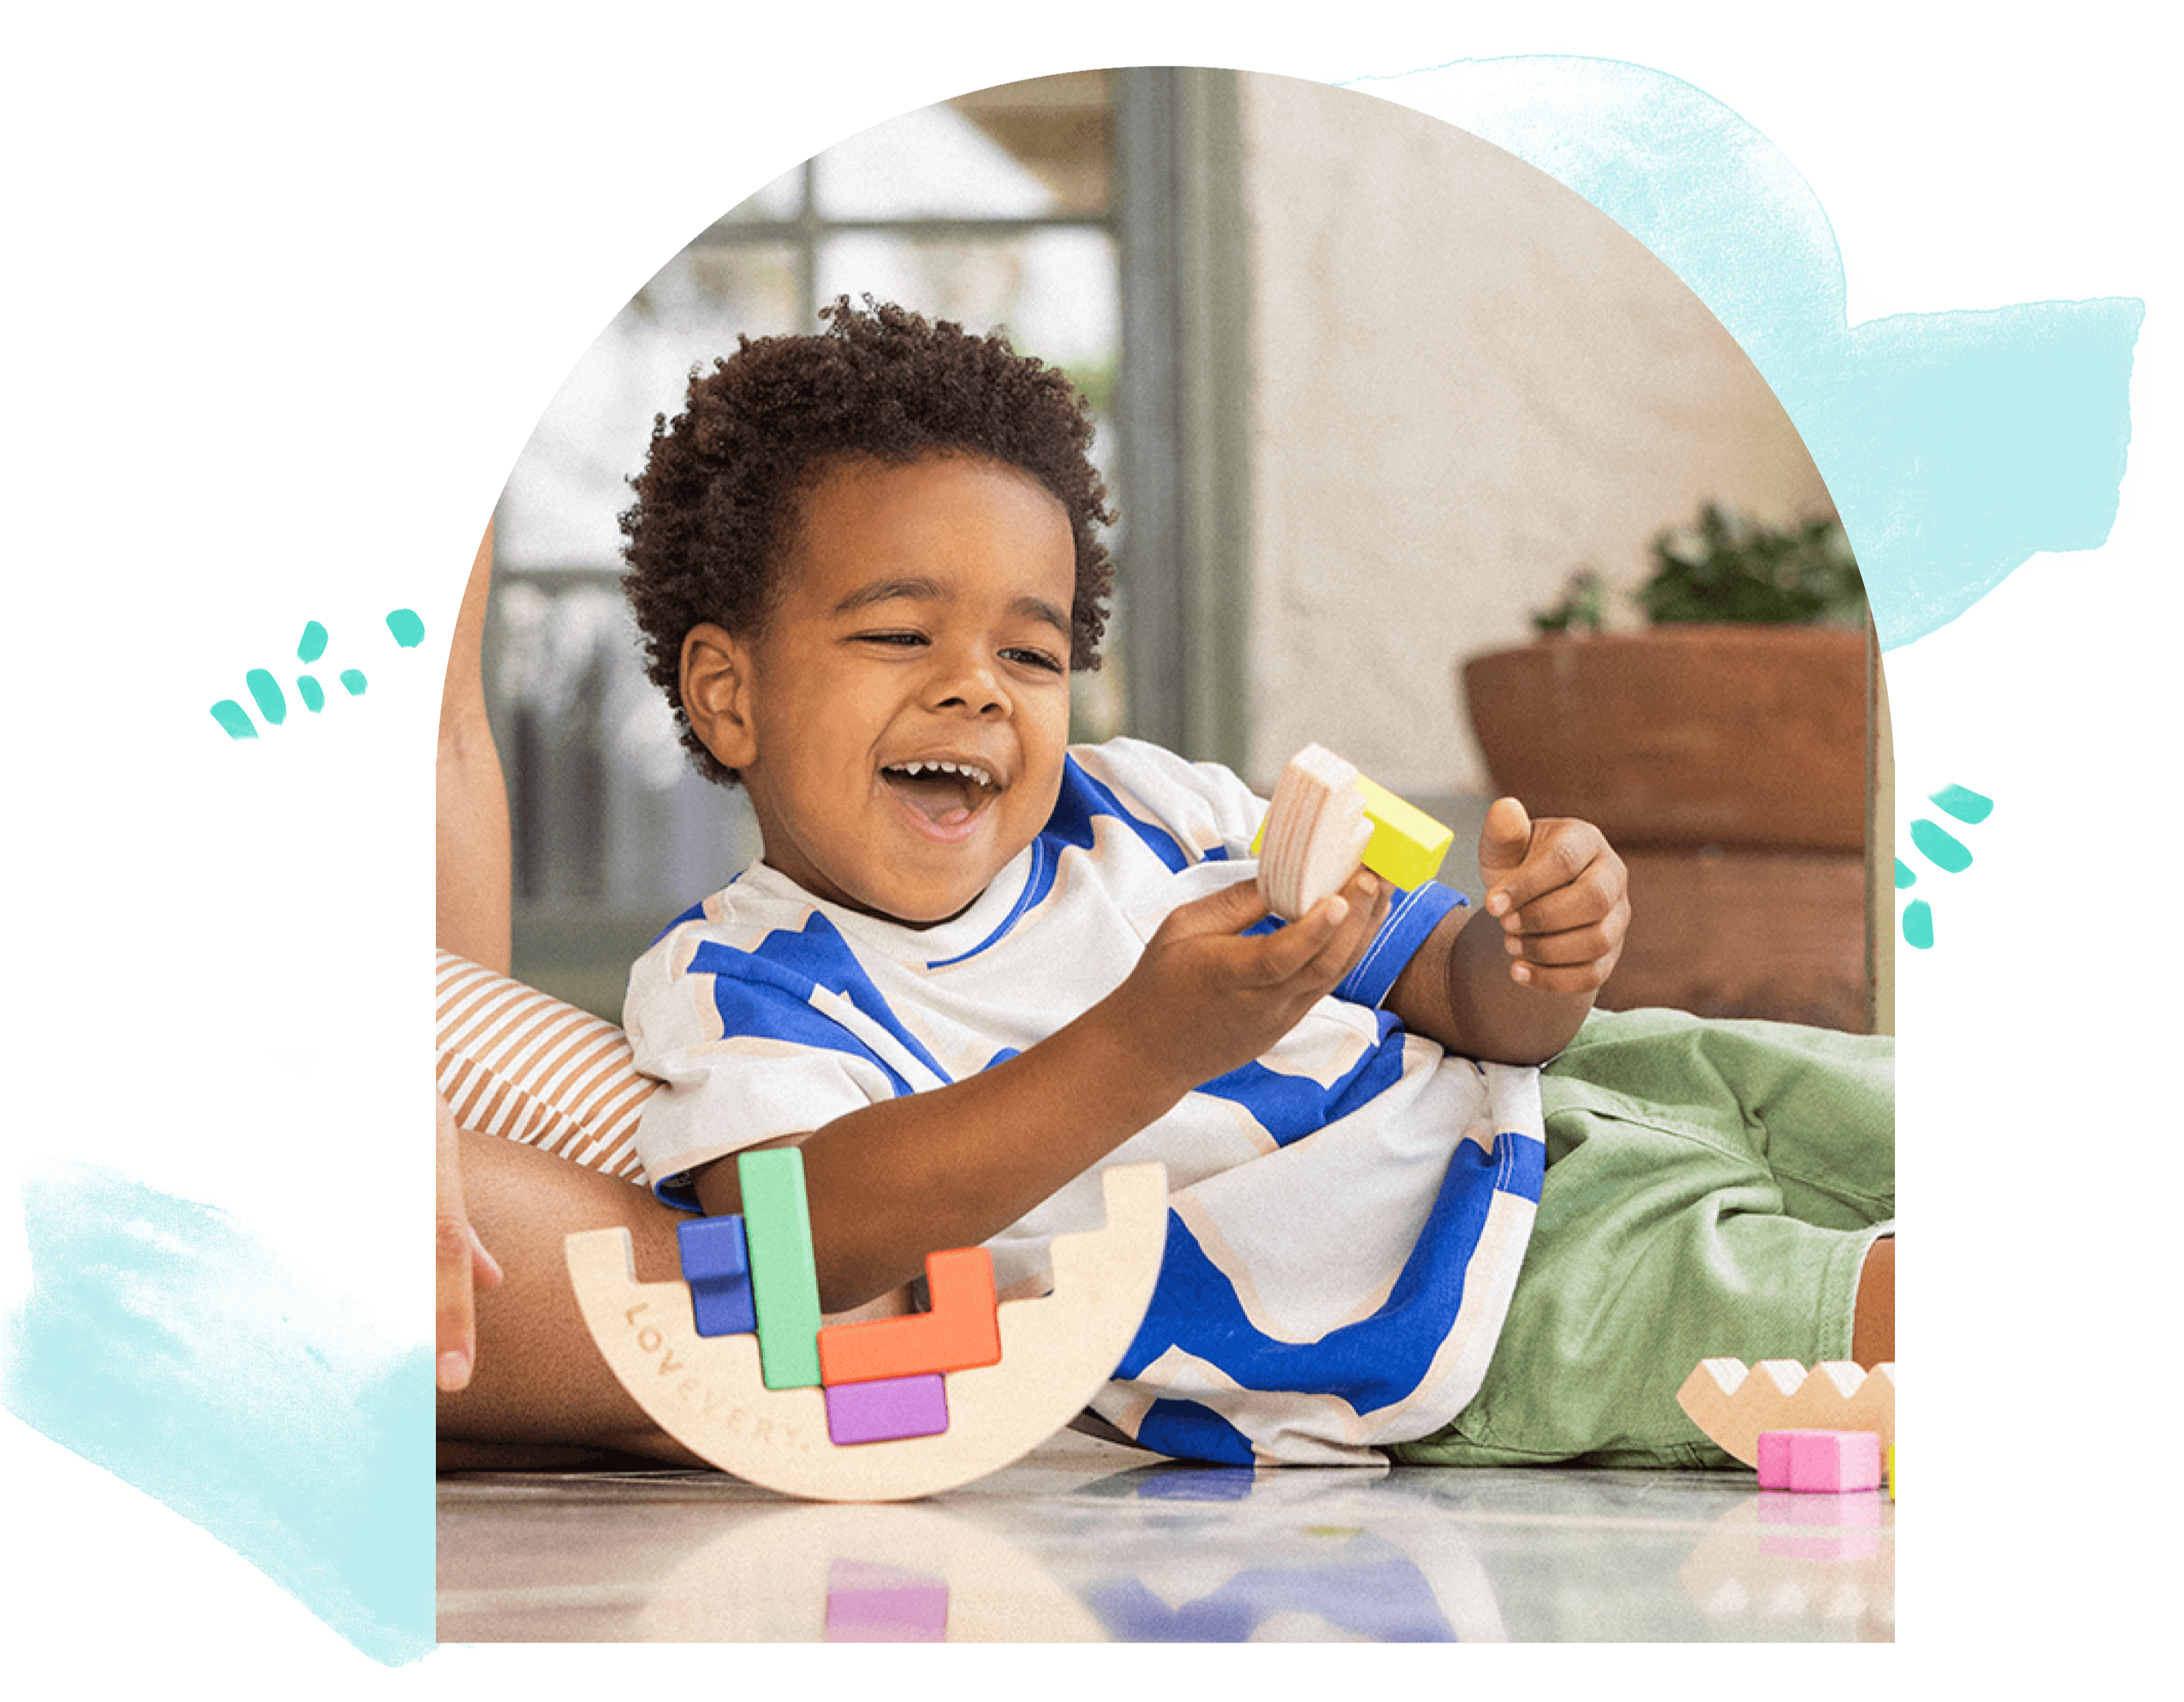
{"x":717,"y":1264}
{"x":960,"y":1331}
{"x":784,"y":1277}
{"x":887,"y":1410}
{"x":1734,"y":1405}
{"x":1325,"y":819}
{"x":1056,"y":1350}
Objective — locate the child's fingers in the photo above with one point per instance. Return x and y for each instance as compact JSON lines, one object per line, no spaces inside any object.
{"x":457,"y":1250}
{"x":1322,"y":944}
{"x":1227,"y":910}
{"x":1570,"y":946}
{"x":1589,"y":900}
{"x":1504,"y":838}
{"x":1585,"y":978}
{"x":1561,"y":852}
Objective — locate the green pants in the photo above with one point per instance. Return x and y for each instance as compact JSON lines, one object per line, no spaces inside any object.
{"x":1712,"y":1188}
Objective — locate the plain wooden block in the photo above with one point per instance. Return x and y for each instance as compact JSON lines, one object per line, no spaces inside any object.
{"x":784,"y":1277}
{"x":960,"y":1331}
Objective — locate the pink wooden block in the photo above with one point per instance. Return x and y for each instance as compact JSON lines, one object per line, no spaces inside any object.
{"x":1818,"y":1527}
{"x":1825,"y":1461}
{"x":887,"y":1410}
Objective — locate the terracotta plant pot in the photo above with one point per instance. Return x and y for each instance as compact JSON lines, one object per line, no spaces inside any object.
{"x":1684,"y":736}
{"x":1728,"y":765}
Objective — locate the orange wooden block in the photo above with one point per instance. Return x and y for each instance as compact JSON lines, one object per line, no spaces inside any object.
{"x":961,"y":1330}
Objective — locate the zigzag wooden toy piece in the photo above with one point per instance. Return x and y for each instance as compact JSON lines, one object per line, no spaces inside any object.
{"x":1327,"y":818}
{"x":1735,"y":1407}
{"x":707,"y":1393}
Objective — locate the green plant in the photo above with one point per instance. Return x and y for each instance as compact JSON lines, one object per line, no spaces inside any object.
{"x":1583,"y":605}
{"x":1729,"y":569}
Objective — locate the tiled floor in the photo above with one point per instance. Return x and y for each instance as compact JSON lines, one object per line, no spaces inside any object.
{"x":1089,"y":1541}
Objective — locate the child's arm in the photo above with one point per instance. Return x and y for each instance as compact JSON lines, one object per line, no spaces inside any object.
{"x":1516,"y":993}
{"x":953,"y":1167}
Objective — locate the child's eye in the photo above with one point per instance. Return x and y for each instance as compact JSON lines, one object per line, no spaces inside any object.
{"x":893,"y":639}
{"x":1036,"y":659}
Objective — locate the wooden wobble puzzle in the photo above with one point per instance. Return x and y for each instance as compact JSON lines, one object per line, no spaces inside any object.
{"x":711,"y":1393}
{"x":1735,"y":1406}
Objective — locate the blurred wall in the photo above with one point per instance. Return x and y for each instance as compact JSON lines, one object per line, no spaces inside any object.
{"x":1466,"y":381}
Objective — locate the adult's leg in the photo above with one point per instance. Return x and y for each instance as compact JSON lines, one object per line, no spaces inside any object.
{"x":539,"y":1380}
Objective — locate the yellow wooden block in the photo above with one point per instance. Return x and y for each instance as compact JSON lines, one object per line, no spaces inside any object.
{"x":1407,"y":846}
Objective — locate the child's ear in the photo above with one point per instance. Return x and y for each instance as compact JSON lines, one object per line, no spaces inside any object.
{"x":716,"y":694}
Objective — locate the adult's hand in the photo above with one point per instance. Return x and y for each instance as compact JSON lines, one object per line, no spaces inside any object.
{"x":464,"y":1266}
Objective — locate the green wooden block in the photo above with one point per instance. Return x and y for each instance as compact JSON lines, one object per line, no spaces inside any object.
{"x":784,"y":1278}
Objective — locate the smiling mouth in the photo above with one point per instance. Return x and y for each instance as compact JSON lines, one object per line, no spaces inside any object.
{"x":947,"y":794}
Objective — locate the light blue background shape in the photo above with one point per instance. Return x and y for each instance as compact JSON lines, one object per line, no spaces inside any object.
{"x":1956,"y":445}
{"x":163,"y":1342}
{"x":297,"y":297}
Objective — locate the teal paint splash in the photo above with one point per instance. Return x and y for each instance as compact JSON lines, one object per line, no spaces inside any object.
{"x":265,"y":690}
{"x":1962,"y":806}
{"x":234,"y":719}
{"x":161,"y":1341}
{"x":408,"y":631}
{"x":1942,"y":848}
{"x":1956,"y":445}
{"x":265,"y":693}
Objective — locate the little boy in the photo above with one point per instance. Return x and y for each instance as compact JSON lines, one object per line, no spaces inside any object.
{"x":974,"y":965}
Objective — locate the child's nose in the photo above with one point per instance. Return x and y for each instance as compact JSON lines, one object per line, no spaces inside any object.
{"x":969,"y":682}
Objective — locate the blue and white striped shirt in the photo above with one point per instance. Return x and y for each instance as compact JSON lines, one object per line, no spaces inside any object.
{"x":1347,"y":1213}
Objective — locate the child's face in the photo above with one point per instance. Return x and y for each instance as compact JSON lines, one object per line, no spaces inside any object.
{"x":924,"y":619}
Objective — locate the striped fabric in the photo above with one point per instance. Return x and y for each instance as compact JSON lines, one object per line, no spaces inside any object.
{"x":515,"y":1062}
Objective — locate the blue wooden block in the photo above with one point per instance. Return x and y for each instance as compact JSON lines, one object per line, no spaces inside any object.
{"x":717,"y":1264}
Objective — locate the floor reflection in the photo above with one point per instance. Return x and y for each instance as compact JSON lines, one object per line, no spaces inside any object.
{"x":1085,"y":1542}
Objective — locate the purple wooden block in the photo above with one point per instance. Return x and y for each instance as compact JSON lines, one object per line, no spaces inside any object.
{"x":867,"y":1602}
{"x":886,"y":1410}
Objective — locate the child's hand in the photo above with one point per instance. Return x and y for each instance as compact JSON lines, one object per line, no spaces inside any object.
{"x":1205,"y":998}
{"x":1561,"y":895}
{"x":464,"y":1266}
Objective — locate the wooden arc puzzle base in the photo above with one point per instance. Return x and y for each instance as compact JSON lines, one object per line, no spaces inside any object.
{"x":1735,"y":1406}
{"x":1056,"y":1350}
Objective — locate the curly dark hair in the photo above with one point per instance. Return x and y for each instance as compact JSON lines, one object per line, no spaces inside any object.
{"x":716,"y":508}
